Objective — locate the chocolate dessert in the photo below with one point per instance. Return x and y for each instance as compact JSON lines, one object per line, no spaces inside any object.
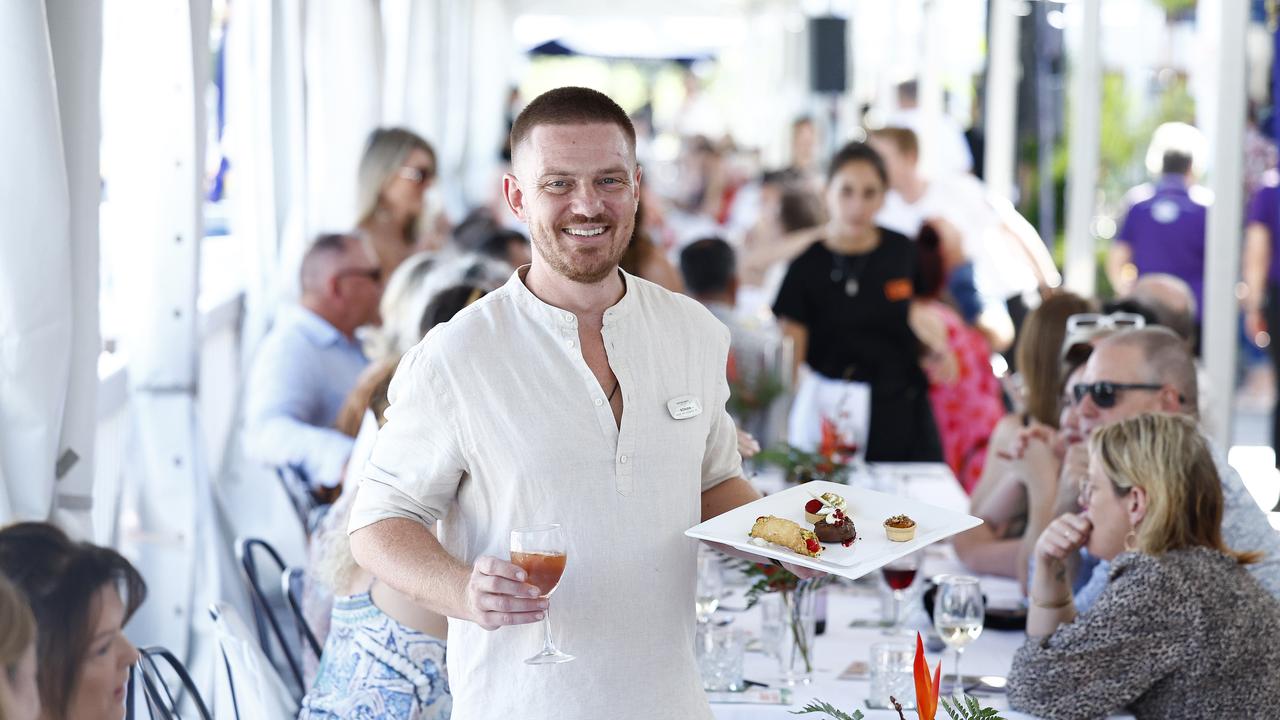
{"x":835,"y":528}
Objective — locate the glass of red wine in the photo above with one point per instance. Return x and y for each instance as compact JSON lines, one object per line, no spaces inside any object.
{"x":899,"y":575}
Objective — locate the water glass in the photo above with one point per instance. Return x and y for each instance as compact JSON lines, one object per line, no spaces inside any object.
{"x":891,"y":675}
{"x":710,"y":584}
{"x":719,"y":654}
{"x":771,"y":622}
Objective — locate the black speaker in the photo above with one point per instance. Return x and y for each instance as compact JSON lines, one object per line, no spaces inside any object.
{"x":828,"y":58}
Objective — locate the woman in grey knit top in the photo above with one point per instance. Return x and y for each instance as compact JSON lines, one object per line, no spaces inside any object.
{"x":1182,"y":629}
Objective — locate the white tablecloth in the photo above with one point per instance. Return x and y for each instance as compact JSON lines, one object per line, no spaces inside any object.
{"x":841,"y":644}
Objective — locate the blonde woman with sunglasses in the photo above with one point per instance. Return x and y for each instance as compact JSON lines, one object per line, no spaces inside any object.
{"x":1182,"y":629}
{"x":396,"y":171}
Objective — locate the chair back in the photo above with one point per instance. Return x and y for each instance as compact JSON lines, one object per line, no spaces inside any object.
{"x":158,"y":671}
{"x":292,"y":581}
{"x":280,"y":636}
{"x":246,"y":685}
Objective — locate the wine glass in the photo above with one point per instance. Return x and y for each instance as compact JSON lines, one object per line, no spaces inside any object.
{"x":957,"y":615}
{"x":710,"y":585}
{"x":540,"y":550}
{"x":899,"y":574}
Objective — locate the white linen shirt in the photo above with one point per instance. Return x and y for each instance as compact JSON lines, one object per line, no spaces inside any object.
{"x":496,"y":422}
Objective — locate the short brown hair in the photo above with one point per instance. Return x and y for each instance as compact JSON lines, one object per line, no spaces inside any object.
{"x":59,"y":577}
{"x":1038,"y":354}
{"x":902,"y":138}
{"x":570,"y":106}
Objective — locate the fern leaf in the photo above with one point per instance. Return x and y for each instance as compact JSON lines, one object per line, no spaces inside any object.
{"x":818,"y":706}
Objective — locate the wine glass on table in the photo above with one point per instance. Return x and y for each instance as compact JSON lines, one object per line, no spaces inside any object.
{"x":710,"y":585}
{"x":540,"y":551}
{"x":899,"y":574}
{"x":958,"y":616}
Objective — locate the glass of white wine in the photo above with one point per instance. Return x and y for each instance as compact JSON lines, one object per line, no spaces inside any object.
{"x":957,"y":615}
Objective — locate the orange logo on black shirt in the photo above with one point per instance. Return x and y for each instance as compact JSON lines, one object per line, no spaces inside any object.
{"x":898,"y":289}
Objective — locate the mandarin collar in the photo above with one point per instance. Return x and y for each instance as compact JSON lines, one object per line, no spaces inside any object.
{"x":558,"y":317}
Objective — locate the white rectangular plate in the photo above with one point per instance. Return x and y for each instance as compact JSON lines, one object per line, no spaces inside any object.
{"x":867,"y":508}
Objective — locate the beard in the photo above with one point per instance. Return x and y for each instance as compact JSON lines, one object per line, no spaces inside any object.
{"x":590,"y":264}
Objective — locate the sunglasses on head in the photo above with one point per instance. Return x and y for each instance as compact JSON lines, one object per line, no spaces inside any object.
{"x":1098,"y":321}
{"x":419,"y":175}
{"x":1105,"y":394}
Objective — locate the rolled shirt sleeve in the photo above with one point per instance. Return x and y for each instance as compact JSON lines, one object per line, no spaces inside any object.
{"x":417,"y":461}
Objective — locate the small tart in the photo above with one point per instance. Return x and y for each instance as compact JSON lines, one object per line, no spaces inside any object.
{"x":900,"y":528}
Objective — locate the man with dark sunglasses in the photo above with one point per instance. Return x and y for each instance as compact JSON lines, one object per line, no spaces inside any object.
{"x":1151,"y":370}
{"x":310,"y":360}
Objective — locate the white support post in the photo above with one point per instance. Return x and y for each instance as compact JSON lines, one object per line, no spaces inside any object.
{"x":1222,"y":246}
{"x":1084,"y":146}
{"x":1002,"y":99}
{"x":155,"y":122}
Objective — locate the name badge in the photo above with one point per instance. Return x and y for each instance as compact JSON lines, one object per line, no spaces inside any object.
{"x":684,"y":407}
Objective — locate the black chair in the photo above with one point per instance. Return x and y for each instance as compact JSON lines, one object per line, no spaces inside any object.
{"x":162,"y":702}
{"x":271,"y":618}
{"x":297,"y":486}
{"x":291,"y":581}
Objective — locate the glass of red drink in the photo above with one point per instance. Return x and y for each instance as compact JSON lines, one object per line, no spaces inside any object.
{"x":899,"y":575}
{"x":540,"y":551}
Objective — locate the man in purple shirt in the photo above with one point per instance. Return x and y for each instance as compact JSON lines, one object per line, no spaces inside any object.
{"x":1164,"y":229}
{"x":1261,"y":273}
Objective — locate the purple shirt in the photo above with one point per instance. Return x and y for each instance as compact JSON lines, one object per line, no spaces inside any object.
{"x":1165,"y":228}
{"x":1264,"y":208}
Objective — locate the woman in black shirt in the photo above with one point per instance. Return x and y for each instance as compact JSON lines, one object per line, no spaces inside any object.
{"x":846,"y":305}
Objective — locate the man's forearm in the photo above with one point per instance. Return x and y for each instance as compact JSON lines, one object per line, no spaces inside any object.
{"x":404,"y":555}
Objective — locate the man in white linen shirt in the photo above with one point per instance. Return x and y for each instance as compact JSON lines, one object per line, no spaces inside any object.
{"x":574,"y":394}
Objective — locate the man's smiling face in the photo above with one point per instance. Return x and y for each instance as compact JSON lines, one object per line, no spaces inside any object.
{"x":577,"y":187}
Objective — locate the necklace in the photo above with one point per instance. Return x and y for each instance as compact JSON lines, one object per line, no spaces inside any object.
{"x":849,"y":272}
{"x":614,"y":391}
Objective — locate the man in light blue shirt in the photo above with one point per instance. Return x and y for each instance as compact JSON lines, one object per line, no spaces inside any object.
{"x":309,"y":362}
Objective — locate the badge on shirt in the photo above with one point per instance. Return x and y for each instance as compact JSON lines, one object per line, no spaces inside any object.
{"x":899,"y":289}
{"x":684,"y":407}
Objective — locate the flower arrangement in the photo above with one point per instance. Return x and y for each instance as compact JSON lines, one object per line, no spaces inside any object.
{"x":833,"y":461}
{"x":751,"y":393}
{"x":927,"y":700}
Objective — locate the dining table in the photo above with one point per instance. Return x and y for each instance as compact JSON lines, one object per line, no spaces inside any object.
{"x":855,"y":621}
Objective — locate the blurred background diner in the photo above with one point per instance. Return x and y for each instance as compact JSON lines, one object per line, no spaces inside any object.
{"x":227,"y":221}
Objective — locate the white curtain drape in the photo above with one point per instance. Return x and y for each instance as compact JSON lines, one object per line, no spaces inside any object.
{"x":48,"y":260}
{"x":343,"y":60}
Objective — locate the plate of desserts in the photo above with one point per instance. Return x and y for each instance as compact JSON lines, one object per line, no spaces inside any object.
{"x":843,"y":530}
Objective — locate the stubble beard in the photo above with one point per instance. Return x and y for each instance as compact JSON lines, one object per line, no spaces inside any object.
{"x":587,"y":267}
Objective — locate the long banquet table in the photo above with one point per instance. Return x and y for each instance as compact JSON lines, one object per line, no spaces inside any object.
{"x":842,"y":643}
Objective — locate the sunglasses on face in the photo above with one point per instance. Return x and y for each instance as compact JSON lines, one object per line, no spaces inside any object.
{"x":373,"y":274}
{"x":419,"y":175}
{"x":1105,"y":394}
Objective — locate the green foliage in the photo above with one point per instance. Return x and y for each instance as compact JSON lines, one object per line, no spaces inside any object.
{"x":817,"y":706}
{"x":970,"y":709}
{"x":801,"y":466}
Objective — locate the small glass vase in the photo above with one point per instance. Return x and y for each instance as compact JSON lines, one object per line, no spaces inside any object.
{"x":795,"y":641}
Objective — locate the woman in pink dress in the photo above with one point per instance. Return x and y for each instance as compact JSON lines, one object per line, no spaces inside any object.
{"x":967,"y":405}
